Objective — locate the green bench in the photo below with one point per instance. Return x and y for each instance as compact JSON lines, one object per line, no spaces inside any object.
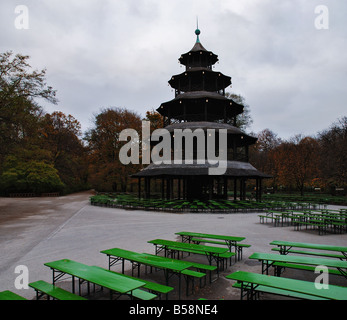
{"x":239,"y":246}
{"x":143,"y":295}
{"x":299,"y":262}
{"x":322,"y":254}
{"x":222,"y":256}
{"x":190,"y":275}
{"x":199,"y":266}
{"x":9,"y":295}
{"x":153,"y":287}
{"x":44,"y":288}
{"x":250,"y":282}
{"x":339,"y":226}
{"x":279,"y":292}
{"x":276,"y":219}
{"x":320,"y":225}
{"x":280,"y":266}
{"x":286,"y":246}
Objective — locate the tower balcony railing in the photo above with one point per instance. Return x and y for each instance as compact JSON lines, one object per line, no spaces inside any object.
{"x":193,"y":118}
{"x":194,"y":157}
{"x":220,"y":92}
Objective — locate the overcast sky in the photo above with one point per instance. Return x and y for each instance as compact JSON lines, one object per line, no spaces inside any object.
{"x":121,"y":53}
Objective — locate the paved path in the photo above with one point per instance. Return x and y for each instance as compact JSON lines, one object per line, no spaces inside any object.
{"x":26,"y":223}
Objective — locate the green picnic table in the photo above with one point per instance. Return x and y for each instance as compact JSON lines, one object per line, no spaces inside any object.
{"x":169,"y":266}
{"x":199,"y":266}
{"x":271,"y":259}
{"x":252,"y":281}
{"x":286,"y":246}
{"x":321,"y":220}
{"x":212,"y":253}
{"x":231,"y":241}
{"x":9,"y":295}
{"x":113,"y":282}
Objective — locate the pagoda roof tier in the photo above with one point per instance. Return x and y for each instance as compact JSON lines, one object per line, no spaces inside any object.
{"x":201,"y":58}
{"x":235,"y":135}
{"x":200,"y":78}
{"x":198,"y":56}
{"x":200,"y":106}
{"x":235,"y":169}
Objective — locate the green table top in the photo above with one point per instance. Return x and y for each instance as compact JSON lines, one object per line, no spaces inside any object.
{"x":299,"y":260}
{"x":150,"y":260}
{"x":189,"y":264}
{"x":309,"y":245}
{"x":307,"y":287}
{"x":209,"y":236}
{"x":9,"y":295}
{"x":115,"y":282}
{"x":190,"y":246}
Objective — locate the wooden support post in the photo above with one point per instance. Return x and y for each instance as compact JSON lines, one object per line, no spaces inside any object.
{"x":260,"y":188}
{"x":235,"y":189}
{"x":139,"y":187}
{"x":168,"y":188}
{"x":225,"y":190}
{"x":179,"y":188}
{"x":162,"y":188}
{"x":211,"y":182}
{"x":147,"y":188}
{"x":171,"y":188}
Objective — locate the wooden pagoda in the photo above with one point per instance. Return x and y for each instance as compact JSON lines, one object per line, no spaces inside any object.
{"x":200,"y":103}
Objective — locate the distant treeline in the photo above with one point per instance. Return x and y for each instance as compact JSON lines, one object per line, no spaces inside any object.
{"x":304,"y":163}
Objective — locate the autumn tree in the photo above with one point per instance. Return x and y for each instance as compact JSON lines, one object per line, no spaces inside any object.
{"x":333,"y":151}
{"x":20,"y":86}
{"x":33,"y":176}
{"x":24,"y":166}
{"x":39,"y":152}
{"x":262,"y":155}
{"x":155,"y":118}
{"x":296,"y":161}
{"x":107,"y":173}
{"x":60,"y":135}
{"x":244,"y":120}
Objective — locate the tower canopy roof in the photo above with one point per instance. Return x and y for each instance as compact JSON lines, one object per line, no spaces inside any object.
{"x":234,"y":169}
{"x":198,"y":56}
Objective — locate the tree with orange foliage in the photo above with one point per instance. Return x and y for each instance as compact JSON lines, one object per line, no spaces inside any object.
{"x":155,"y":118}
{"x":261,"y":155}
{"x":60,"y":135}
{"x":106,"y":172}
{"x":297,"y":162}
{"x":333,"y":144}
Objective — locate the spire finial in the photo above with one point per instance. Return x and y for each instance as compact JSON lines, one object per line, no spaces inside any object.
{"x":197,"y":31}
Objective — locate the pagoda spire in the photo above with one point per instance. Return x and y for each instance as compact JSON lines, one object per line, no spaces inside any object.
{"x":197,"y":31}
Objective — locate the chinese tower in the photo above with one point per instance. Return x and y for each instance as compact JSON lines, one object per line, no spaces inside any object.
{"x":200,"y":103}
